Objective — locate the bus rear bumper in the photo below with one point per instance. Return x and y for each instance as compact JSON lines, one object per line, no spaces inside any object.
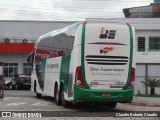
{"x":88,"y":95}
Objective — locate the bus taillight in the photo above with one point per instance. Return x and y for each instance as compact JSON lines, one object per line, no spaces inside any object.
{"x":132,"y":79}
{"x":78,"y":78}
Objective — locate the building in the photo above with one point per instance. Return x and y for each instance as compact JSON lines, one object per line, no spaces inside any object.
{"x":148,"y":41}
{"x":156,"y":1}
{"x":151,"y":11}
{"x":17,"y":40}
{"x":25,"y":33}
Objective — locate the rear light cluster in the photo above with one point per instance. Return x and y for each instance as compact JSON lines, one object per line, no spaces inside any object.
{"x":128,"y":24}
{"x":20,"y":78}
{"x":132,"y":79}
{"x":84,"y":23}
{"x":78,"y":77}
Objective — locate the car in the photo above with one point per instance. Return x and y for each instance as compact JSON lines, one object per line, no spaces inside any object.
{"x":20,"y":81}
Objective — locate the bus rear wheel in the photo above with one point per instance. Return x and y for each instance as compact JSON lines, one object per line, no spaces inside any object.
{"x":38,"y":95}
{"x":65,"y":103}
{"x":57,"y":96}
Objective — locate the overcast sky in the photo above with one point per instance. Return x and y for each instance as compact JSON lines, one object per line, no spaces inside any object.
{"x":65,"y":10}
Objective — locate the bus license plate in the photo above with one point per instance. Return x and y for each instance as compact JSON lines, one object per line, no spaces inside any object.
{"x":106,"y":94}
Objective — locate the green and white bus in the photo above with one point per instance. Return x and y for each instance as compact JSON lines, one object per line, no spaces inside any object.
{"x":87,"y":61}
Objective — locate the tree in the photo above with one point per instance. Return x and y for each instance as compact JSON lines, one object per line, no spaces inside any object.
{"x":151,"y":83}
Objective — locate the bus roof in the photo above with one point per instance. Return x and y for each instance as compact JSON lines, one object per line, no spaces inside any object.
{"x":56,"y":32}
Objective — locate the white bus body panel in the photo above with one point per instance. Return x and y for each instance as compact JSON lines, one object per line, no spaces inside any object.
{"x":75,"y":57}
{"x":107,"y":76}
{"x":52,"y":74}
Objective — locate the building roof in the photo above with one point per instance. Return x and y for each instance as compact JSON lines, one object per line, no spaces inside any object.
{"x":138,"y":23}
{"x":138,"y":7}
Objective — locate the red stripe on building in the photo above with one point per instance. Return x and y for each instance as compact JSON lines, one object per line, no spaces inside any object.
{"x":16,"y":47}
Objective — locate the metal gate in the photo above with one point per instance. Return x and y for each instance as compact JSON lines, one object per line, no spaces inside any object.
{"x":144,"y":71}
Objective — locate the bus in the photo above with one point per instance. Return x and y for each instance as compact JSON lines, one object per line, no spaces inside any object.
{"x":88,"y":62}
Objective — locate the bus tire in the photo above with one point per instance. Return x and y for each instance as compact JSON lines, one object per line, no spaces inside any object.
{"x":35,"y":86}
{"x":57,"y":95}
{"x":112,"y":105}
{"x":65,"y":103}
{"x":38,"y":95}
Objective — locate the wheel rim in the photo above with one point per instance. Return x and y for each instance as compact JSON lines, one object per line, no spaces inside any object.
{"x":57,"y":94}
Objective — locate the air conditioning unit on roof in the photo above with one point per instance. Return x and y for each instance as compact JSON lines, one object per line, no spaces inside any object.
{"x":6,"y":40}
{"x":25,"y":40}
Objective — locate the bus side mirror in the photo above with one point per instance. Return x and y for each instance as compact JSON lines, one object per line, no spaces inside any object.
{"x":30,"y":59}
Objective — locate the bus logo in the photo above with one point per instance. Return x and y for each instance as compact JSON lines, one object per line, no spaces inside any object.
{"x":110,"y":34}
{"x":106,"y":50}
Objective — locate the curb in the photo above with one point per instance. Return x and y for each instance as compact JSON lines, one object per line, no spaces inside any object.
{"x":146,"y":101}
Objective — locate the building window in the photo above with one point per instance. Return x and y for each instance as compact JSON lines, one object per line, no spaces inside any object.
{"x":27,"y":69}
{"x":154,"y":43}
{"x":141,"y":44}
{"x":10,"y":69}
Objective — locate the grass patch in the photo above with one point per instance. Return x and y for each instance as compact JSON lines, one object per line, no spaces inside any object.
{"x":145,"y":95}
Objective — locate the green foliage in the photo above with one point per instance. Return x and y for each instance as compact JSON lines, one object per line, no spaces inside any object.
{"x":151,"y":83}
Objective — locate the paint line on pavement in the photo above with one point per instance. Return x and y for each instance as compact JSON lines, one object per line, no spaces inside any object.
{"x":16,"y":104}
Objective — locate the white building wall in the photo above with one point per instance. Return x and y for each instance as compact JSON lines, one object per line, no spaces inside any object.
{"x":20,"y":67}
{"x":30,"y":30}
{"x":147,"y":56}
{"x":150,"y":58}
{"x":13,"y":58}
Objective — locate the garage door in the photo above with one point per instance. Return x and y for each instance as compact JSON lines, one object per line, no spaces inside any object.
{"x":146,"y":71}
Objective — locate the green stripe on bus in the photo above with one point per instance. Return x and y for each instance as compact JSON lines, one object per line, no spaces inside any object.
{"x":82,"y":56}
{"x":64,"y":71}
{"x":96,"y":95}
{"x":131,"y":56}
